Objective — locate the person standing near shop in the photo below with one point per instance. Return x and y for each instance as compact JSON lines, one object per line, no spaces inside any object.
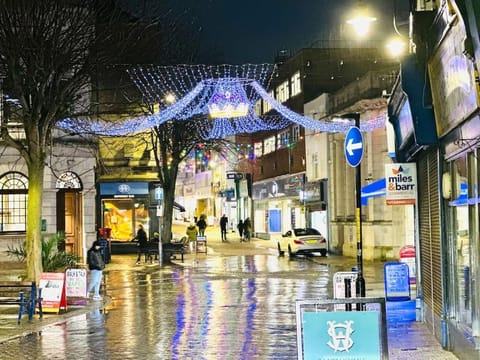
{"x":223,"y":227}
{"x":96,"y":266}
{"x":192,"y":236}
{"x":142,"y":240}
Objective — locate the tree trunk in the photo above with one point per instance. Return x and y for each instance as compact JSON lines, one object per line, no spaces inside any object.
{"x":168,"y":198}
{"x":34,"y":220}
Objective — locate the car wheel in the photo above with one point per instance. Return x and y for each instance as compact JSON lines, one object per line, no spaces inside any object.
{"x":290,"y":253}
{"x":323,"y":252}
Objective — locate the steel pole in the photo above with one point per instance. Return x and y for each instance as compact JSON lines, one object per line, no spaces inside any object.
{"x":360,"y":282}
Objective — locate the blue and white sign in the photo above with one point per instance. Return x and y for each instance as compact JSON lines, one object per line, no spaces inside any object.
{"x":353,"y":146}
{"x":397,"y":282}
{"x":159,"y":193}
{"x":341,"y":335}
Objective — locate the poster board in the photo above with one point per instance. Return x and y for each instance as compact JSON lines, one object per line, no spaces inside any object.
{"x":53,"y":292}
{"x":326,"y":334}
{"x":397,"y":284}
{"x":201,"y":244}
{"x":76,"y":286}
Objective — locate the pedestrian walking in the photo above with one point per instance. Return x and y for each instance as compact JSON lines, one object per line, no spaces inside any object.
{"x":192,"y":236}
{"x":142,"y":243}
{"x":202,"y":225}
{"x":247,"y":229}
{"x":96,"y":266}
{"x":240,"y":229}
{"x":223,"y":227}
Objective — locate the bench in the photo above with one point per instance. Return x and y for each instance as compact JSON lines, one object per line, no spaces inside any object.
{"x":24,"y":294}
{"x":173,"y":248}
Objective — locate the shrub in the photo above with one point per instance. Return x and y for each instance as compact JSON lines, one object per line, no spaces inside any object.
{"x":52,"y":258}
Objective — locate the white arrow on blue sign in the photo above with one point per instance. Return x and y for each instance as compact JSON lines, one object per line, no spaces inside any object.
{"x":353,"y":146}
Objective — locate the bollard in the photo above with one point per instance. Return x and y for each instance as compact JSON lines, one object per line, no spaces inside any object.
{"x":348,"y":293}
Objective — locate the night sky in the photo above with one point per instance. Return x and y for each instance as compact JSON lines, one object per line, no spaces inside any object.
{"x":253,"y":31}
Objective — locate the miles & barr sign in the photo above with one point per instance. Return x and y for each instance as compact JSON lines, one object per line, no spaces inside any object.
{"x":401,"y":184}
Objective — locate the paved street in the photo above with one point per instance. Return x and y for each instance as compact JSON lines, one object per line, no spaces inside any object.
{"x":236,"y":302}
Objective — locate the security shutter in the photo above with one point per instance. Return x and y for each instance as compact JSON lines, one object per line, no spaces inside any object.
{"x":429,"y":217}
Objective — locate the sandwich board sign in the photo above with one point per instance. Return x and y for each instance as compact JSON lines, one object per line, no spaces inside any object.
{"x":53,"y":288}
{"x":76,"y":286}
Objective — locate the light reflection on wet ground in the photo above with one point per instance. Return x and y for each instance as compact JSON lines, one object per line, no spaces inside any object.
{"x":238,"y":307}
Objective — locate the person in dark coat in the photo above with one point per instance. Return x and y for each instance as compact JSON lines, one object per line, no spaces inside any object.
{"x":247,"y":229}
{"x":142,"y":240}
{"x":240,"y":229}
{"x":223,"y":227}
{"x":96,"y":266}
{"x":202,"y":225}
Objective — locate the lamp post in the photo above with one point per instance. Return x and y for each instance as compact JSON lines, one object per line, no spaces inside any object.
{"x":353,"y":154}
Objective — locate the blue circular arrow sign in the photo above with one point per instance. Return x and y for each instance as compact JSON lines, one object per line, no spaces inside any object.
{"x":353,"y":146}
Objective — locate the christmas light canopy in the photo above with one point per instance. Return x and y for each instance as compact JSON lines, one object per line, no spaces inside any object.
{"x":221,"y":99}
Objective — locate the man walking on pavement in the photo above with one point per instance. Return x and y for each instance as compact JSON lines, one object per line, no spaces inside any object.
{"x":223,"y":227}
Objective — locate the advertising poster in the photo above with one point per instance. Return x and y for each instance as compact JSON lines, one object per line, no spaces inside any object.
{"x":401,"y":183}
{"x":53,"y":292}
{"x":76,"y":286}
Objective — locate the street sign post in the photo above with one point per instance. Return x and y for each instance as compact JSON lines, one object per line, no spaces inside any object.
{"x":353,"y":148}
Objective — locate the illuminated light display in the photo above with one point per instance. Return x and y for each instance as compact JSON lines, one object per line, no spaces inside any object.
{"x":218,"y":98}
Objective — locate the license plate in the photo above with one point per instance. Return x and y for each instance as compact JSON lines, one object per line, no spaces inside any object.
{"x":311,"y":241}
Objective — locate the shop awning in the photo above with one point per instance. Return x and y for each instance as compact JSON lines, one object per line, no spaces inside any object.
{"x":178,"y":207}
{"x":374,"y":189}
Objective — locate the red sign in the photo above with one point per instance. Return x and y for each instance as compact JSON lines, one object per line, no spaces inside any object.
{"x":54,"y":296}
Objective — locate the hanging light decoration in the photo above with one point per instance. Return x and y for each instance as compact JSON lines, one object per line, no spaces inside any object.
{"x":220,"y":98}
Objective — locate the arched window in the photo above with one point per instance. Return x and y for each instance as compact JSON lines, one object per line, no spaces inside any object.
{"x":68,"y":180}
{"x":13,"y":202}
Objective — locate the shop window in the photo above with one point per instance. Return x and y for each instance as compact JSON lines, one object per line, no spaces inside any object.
{"x":13,"y":202}
{"x":462,"y":199}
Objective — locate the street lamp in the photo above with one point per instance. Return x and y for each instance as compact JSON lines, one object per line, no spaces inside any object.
{"x":353,"y":148}
{"x":361,"y":19}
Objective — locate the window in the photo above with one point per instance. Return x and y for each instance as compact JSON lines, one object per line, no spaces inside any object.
{"x":68,"y":180}
{"x":296,"y":85}
{"x":269,"y":145}
{"x":258,"y":149}
{"x":258,"y":107}
{"x":283,"y":93}
{"x":283,"y":139}
{"x":13,"y":202}
{"x":266,"y":105}
{"x":295,"y":133}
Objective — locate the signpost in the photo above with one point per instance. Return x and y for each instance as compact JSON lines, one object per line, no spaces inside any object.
{"x":353,"y":148}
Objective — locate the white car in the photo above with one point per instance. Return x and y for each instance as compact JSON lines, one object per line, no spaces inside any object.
{"x":302,"y":241}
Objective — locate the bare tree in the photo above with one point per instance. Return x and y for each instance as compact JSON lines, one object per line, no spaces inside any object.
{"x":172,"y":142}
{"x":50,"y":52}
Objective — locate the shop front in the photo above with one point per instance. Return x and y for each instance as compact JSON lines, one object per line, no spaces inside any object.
{"x":278,"y":205}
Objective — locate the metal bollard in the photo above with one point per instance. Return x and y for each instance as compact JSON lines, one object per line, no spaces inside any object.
{"x":348,"y":293}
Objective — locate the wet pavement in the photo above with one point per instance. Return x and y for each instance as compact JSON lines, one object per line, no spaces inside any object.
{"x":235,"y":302}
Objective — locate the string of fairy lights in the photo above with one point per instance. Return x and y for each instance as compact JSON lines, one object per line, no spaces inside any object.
{"x":221,"y":99}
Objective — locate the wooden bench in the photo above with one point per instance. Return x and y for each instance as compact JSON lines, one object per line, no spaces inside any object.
{"x":23,"y":294}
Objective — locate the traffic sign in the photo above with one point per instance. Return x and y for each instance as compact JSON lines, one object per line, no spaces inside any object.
{"x":353,"y":146}
{"x":235,"y":176}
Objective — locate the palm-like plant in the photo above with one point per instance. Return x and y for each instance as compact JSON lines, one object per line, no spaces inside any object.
{"x":52,"y":258}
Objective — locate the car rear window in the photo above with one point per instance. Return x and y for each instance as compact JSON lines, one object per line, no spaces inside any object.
{"x":307,"y":231}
